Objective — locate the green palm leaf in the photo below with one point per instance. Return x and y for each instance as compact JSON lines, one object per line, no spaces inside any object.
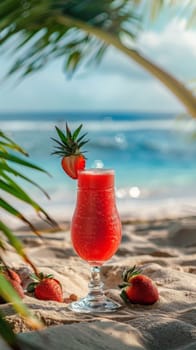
{"x":15,"y":159}
{"x":8,"y":293}
{"x":80,"y":31}
{"x":8,"y":145}
{"x":7,"y":168}
{"x":16,"y":244}
{"x":9,"y":186}
{"x":13,"y":211}
{"x":13,"y":240}
{"x":14,"y":189}
{"x":11,"y":144}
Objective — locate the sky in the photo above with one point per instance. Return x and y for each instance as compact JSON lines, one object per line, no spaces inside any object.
{"x":117,"y":84}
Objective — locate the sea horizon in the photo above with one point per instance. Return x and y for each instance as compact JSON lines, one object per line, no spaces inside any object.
{"x":153,"y":154}
{"x":91,"y":111}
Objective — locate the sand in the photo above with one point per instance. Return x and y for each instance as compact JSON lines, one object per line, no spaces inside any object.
{"x":165,"y":248}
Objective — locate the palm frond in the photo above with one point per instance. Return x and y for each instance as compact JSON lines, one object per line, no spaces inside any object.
{"x":15,"y":212}
{"x":8,"y":185}
{"x":6,"y":168}
{"x":16,"y":244}
{"x":18,"y":160}
{"x":8,"y":293}
{"x":11,"y":187}
{"x":41,"y":37}
{"x":10,"y":144}
{"x":37,"y":32}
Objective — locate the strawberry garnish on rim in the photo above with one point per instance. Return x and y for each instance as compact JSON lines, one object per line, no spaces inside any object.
{"x":69,"y":147}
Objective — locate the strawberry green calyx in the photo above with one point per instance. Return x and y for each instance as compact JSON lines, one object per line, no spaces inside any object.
{"x":37,"y":279}
{"x":69,"y":143}
{"x":128,"y":274}
{"x":124,"y":296}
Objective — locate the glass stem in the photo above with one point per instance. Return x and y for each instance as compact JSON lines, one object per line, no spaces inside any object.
{"x":96,"y":294}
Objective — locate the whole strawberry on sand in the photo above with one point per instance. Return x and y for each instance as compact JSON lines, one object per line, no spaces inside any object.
{"x":138,"y":288}
{"x":46,"y":287}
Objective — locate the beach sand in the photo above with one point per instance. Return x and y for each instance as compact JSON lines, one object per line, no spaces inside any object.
{"x":164,"y":246}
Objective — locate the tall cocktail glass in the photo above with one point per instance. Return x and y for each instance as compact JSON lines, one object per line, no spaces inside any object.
{"x":95,"y":233}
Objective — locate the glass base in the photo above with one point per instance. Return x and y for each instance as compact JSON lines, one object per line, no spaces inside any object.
{"x":85,"y":305}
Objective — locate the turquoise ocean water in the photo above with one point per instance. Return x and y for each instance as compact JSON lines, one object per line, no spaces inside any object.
{"x":154,"y":155}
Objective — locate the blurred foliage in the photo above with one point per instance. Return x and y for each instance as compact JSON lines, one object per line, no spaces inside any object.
{"x":43,"y":37}
{"x":52,"y":28}
{"x":11,"y":189}
{"x":36,"y":32}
